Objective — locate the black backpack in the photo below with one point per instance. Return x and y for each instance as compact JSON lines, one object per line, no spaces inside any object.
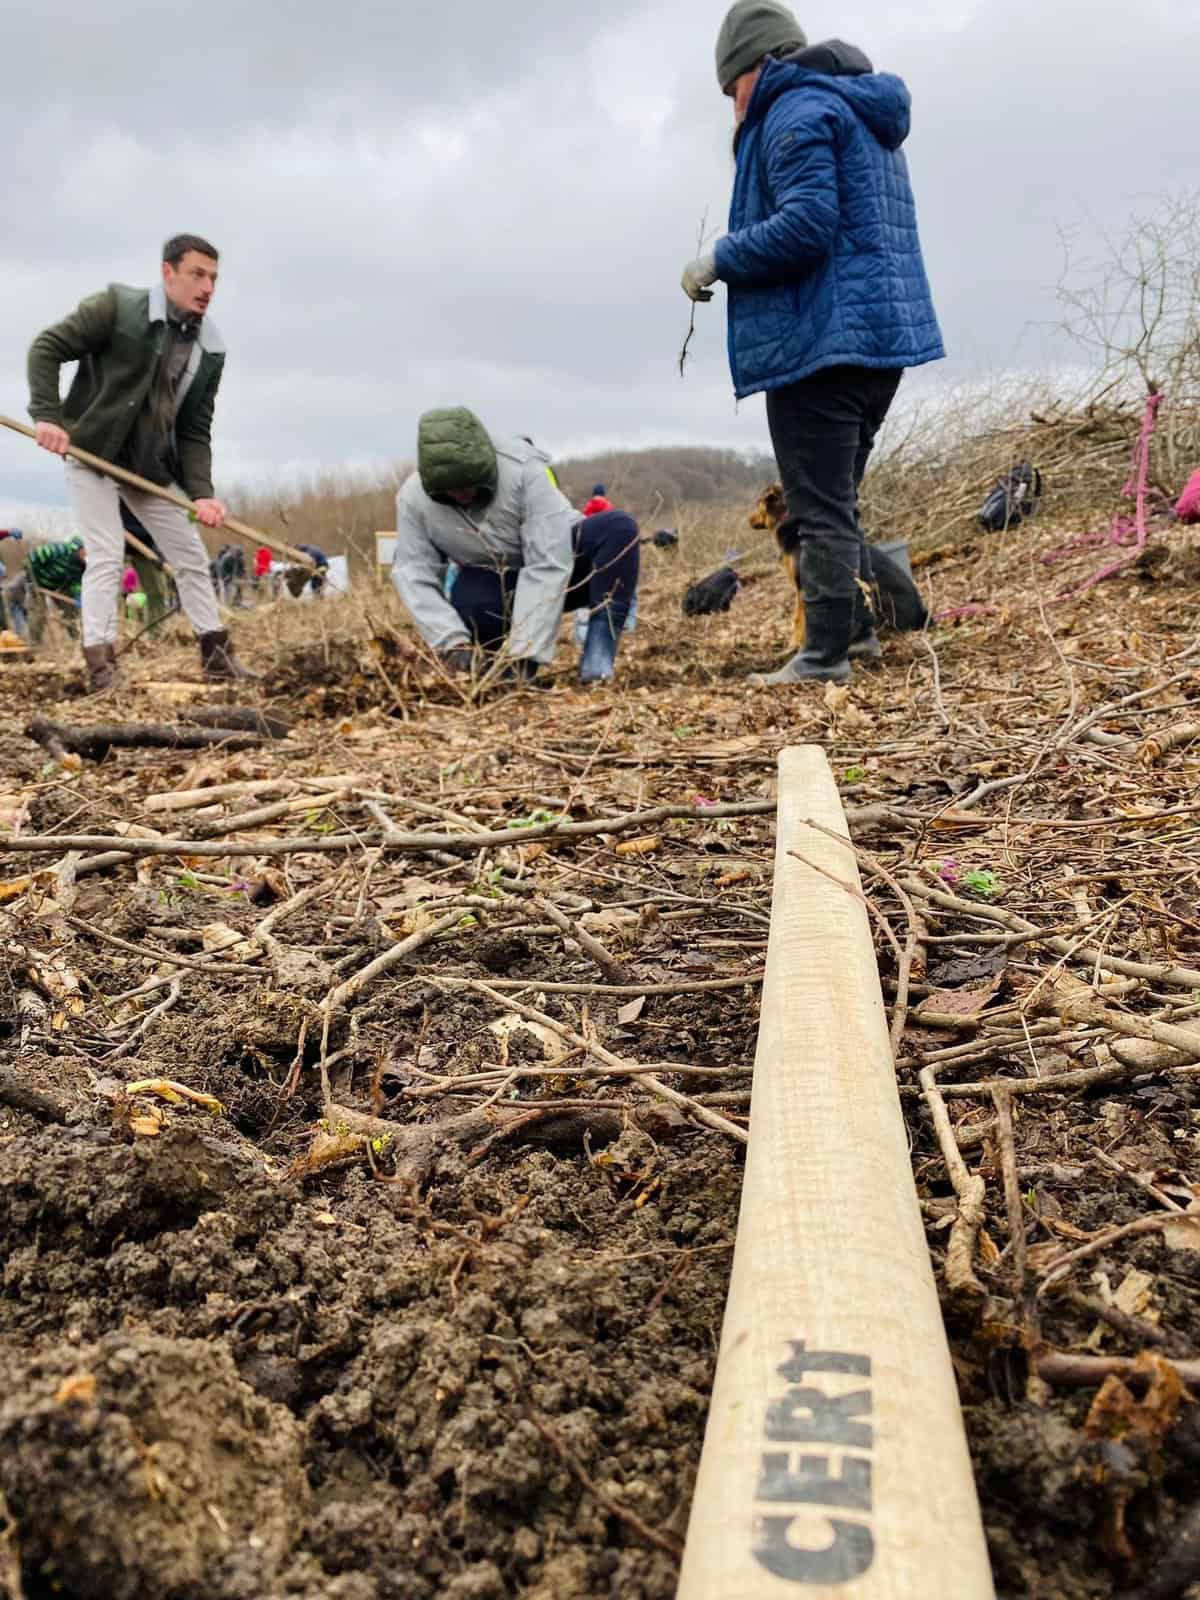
{"x":1013,"y":499}
{"x":711,"y":594}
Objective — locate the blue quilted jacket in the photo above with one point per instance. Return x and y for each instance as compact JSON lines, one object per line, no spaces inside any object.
{"x":822,"y":259}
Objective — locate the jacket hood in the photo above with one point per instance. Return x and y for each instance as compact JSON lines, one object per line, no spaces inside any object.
{"x":880,"y":99}
{"x":455,"y":451}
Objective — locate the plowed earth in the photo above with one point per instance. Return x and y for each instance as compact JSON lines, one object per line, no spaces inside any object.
{"x":261,"y":1345}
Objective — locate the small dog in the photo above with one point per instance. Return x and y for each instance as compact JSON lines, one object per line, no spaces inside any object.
{"x":891,"y":594}
{"x":768,"y":516}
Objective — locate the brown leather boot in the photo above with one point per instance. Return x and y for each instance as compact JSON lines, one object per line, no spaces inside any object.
{"x":217,"y":658}
{"x":101,"y":662}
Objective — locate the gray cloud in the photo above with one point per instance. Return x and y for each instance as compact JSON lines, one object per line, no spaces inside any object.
{"x":493,"y":204}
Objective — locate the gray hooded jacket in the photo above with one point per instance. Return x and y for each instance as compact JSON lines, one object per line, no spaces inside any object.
{"x":526,"y":527}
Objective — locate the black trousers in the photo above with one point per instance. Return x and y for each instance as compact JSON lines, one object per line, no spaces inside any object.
{"x":822,"y":431}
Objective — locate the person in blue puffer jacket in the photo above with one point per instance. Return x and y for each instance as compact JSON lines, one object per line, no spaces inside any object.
{"x":828,"y":298}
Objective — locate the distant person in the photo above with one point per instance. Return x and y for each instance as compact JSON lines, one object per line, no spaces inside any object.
{"x":1187,"y":508}
{"x":11,"y":533}
{"x":157,"y":587}
{"x":228,"y":572}
{"x":133,"y":595}
{"x":828,"y":298}
{"x":316,"y":579}
{"x":599,"y":502}
{"x":524,"y":554}
{"x":57,"y":567}
{"x":150,"y":363}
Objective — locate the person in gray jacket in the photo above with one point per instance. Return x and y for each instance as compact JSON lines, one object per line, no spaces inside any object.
{"x":523,"y":554}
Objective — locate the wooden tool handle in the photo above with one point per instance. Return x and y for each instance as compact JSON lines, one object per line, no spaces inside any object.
{"x":122,"y":475}
{"x":835,"y":1464}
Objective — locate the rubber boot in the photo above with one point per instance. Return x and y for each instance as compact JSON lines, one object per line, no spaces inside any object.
{"x":825,"y":657}
{"x":866,"y":647}
{"x":101,"y":660}
{"x":217,"y":658}
{"x":598,"y":661}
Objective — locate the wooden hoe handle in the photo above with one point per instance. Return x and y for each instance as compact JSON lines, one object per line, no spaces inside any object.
{"x":835,"y":1465}
{"x":122,"y":475}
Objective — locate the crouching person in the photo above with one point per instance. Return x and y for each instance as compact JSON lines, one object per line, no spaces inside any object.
{"x":523,"y":556}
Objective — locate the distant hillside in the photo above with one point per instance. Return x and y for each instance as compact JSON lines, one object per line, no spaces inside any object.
{"x":650,"y":482}
{"x":344,"y":514}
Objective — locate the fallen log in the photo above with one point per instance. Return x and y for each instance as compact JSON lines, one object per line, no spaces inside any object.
{"x":95,"y":743}
{"x":834,"y":1459}
{"x":245,"y":719}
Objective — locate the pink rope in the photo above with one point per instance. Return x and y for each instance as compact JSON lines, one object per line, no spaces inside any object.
{"x":959,"y":613}
{"x":1130,"y":533}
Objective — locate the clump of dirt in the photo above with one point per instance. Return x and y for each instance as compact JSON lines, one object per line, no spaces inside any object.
{"x":200,"y":1480}
{"x":429,"y":1362}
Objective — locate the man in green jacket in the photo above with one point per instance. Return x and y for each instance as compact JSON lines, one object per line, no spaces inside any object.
{"x":150,"y":363}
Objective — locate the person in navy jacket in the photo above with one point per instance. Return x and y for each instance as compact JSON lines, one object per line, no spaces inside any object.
{"x":828,"y":297}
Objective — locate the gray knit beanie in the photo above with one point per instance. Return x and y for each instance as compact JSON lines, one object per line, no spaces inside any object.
{"x":753,"y":29}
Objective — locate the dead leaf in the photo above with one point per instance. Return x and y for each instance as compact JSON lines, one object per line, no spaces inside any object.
{"x":632,"y":1011}
{"x":14,"y":812}
{"x":989,"y":1251}
{"x":966,"y":969}
{"x":1117,"y":1414}
{"x":951,"y":818}
{"x":414,"y":891}
{"x":150,"y":1125}
{"x":219,"y":939}
{"x":325,"y":1150}
{"x":81,"y":1387}
{"x":645,"y":846}
{"x":835,"y":697}
{"x":56,"y":979}
{"x":623,"y":926}
{"x":959,"y":1002}
{"x":738,"y":875}
{"x":1182,"y":1233}
{"x":553,"y":1046}
{"x":174,"y":1093}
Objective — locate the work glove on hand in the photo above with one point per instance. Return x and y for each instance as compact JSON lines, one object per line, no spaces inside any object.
{"x":697,"y":276}
{"x":459,"y":658}
{"x":665,"y":539}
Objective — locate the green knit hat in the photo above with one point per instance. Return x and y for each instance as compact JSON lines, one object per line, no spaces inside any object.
{"x":753,"y":29}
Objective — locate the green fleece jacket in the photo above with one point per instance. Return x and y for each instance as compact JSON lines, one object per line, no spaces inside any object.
{"x":117,"y":337}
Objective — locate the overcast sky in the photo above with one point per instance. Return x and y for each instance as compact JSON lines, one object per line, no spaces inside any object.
{"x":491,"y":204}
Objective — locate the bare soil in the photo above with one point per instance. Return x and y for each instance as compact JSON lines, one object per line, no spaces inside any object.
{"x":254,"y":1347}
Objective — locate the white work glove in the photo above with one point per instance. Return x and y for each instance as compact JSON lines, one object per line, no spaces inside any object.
{"x":697,"y":276}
